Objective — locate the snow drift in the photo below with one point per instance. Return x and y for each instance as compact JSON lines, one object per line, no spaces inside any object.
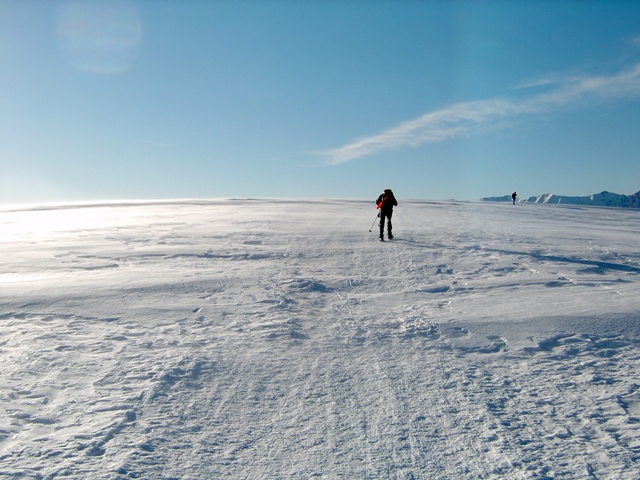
{"x":279,"y":339}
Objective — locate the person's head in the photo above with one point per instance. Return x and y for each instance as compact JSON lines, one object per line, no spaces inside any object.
{"x":388,"y":191}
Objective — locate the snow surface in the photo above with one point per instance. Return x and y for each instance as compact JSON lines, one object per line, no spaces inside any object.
{"x":267,"y":339}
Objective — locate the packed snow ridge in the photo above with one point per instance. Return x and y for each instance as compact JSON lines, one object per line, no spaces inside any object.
{"x":603,"y":199}
{"x":264,"y":339}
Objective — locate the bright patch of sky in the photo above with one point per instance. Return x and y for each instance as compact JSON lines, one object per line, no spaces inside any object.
{"x":148,"y":99}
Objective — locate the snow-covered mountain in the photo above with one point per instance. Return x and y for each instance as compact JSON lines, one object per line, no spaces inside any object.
{"x":603,"y":199}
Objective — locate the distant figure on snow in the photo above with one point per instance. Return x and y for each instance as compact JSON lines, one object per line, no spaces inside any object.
{"x":386,"y":201}
{"x":514,"y":195}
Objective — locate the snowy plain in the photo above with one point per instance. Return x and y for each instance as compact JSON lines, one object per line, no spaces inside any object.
{"x":278,"y":339}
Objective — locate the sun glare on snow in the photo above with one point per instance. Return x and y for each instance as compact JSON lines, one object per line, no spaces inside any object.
{"x":38,"y":224}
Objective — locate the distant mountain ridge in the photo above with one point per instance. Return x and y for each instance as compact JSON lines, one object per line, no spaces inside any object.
{"x":603,"y":199}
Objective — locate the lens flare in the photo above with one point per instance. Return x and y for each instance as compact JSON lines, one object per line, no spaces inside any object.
{"x":99,"y":36}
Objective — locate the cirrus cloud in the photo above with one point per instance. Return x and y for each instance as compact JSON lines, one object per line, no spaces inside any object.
{"x":461,"y":119}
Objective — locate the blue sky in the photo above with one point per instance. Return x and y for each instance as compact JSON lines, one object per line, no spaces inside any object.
{"x":157,"y":99}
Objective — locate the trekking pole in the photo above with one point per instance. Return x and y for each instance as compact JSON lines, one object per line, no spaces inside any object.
{"x":377,"y":217}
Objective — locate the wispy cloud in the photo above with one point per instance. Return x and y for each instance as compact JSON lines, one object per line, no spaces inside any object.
{"x":463,"y":118}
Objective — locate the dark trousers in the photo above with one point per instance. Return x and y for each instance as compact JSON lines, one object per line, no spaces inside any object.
{"x":386,"y":215}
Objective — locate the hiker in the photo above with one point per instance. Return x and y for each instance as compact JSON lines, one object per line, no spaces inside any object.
{"x":514,"y":195}
{"x":386,"y":201}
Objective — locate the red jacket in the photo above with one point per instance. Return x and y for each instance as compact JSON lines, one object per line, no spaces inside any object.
{"x":386,"y":202}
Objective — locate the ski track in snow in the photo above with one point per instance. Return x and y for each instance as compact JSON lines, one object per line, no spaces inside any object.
{"x":278,"y":339}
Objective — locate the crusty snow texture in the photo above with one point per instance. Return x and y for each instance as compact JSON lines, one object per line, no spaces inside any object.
{"x":276,"y":339}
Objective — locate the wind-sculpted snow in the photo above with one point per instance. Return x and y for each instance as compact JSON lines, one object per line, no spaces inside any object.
{"x":279,"y":339}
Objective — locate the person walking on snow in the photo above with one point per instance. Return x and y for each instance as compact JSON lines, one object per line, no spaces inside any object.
{"x":514,"y":195}
{"x":386,"y":201}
